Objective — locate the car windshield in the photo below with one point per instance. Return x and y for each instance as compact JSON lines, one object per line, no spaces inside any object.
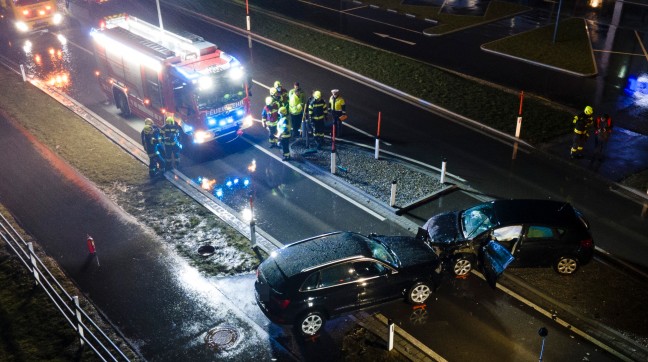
{"x":382,"y":252}
{"x":219,"y":91}
{"x":476,"y":220}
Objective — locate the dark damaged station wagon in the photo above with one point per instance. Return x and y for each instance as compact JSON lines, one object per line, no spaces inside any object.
{"x":537,"y":233}
{"x":309,"y":281}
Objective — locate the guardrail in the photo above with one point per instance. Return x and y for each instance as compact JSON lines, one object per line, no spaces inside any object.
{"x":89,"y":333}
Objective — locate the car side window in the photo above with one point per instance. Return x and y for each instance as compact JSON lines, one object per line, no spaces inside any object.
{"x":507,"y":236}
{"x":539,"y":232}
{"x":369,"y":269}
{"x":337,"y":274}
{"x":311,"y":282}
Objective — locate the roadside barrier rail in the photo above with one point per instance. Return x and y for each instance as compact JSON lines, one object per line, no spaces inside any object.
{"x":90,"y":333}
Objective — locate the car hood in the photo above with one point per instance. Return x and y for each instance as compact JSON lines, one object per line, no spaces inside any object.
{"x":495,"y":259}
{"x":443,"y":229}
{"x":410,"y":251}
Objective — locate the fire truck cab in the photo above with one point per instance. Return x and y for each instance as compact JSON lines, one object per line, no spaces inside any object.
{"x":26,"y":16}
{"x":154,"y":73}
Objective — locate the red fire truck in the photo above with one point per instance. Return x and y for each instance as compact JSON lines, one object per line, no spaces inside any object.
{"x":30,"y":15}
{"x":150,"y":72}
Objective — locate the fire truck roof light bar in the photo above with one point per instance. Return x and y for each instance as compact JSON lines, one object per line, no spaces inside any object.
{"x":176,"y":43}
{"x":125,"y":50}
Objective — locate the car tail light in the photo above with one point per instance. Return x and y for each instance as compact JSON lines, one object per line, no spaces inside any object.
{"x":281,"y":303}
{"x":586,"y":243}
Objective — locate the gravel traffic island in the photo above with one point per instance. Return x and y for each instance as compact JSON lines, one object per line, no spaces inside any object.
{"x":358,"y":168}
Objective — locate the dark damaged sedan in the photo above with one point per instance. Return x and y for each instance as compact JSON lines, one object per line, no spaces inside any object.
{"x":536,"y":232}
{"x":309,"y":281}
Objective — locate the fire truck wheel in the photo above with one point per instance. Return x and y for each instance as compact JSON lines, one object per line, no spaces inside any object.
{"x":122,"y":104}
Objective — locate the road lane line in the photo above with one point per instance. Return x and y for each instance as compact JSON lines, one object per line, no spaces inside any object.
{"x":317,"y":181}
{"x":362,"y":17}
{"x":641,"y":44}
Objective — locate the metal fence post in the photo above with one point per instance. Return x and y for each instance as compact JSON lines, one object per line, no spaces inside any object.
{"x":78,"y":316}
{"x":32,"y":257}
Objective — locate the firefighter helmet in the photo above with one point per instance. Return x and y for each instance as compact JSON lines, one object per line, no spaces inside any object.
{"x":148,"y":122}
{"x":148,"y":129}
{"x":277,"y":84}
{"x":283,"y":111}
{"x":588,"y":111}
{"x":317,"y":94}
{"x":273,"y":91}
{"x":334,"y":92}
{"x":268,"y":101}
{"x":170,"y":120}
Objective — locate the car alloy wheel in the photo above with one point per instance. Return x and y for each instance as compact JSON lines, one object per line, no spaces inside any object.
{"x":311,"y":323}
{"x":419,"y":293}
{"x":566,"y":265}
{"x":462,"y":266}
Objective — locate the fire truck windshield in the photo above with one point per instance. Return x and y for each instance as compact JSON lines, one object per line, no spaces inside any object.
{"x":28,"y":2}
{"x":219,"y":92}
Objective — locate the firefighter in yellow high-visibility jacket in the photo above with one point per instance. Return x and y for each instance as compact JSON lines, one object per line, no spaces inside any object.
{"x":582,"y":123}
{"x":338,"y":110}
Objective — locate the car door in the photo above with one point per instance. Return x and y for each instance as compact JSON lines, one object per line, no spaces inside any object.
{"x":337,"y":289}
{"x":509,"y":237}
{"x":495,"y":259}
{"x":538,"y":247}
{"x":376,"y":282}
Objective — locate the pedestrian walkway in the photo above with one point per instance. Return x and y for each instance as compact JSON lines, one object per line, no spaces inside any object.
{"x":155,"y":298}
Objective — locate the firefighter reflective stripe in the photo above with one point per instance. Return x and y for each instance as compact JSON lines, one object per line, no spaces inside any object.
{"x":578,"y":132}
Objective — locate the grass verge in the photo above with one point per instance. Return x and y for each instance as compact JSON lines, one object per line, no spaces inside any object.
{"x":497,"y":107}
{"x":571,"y":39}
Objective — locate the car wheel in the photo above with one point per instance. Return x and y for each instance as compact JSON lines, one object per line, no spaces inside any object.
{"x":461,"y":266}
{"x":566,"y":265}
{"x":419,"y":293}
{"x":310,"y":324}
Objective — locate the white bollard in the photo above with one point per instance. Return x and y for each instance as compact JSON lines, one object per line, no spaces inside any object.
{"x":377,"y":152}
{"x":518,"y":127}
{"x":253,"y":242}
{"x":22,"y":71}
{"x":32,"y":257}
{"x":392,"y":198}
{"x":333,"y":162}
{"x":390,"y":340}
{"x":443,"y":170}
{"x":78,"y":315}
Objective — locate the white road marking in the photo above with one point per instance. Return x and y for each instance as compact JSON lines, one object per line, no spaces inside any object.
{"x":397,"y":39}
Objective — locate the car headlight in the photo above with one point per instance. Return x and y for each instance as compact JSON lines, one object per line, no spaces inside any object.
{"x":247,"y":121}
{"x":236,"y":73}
{"x":22,"y":26}
{"x":202,"y":136}
{"x":57,"y":18}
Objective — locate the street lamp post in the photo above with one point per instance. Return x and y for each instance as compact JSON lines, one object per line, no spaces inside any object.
{"x":157,"y":2}
{"x":557,"y":20}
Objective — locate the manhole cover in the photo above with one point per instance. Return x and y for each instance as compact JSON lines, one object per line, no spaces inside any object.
{"x":221,"y":338}
{"x":206,"y":250}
